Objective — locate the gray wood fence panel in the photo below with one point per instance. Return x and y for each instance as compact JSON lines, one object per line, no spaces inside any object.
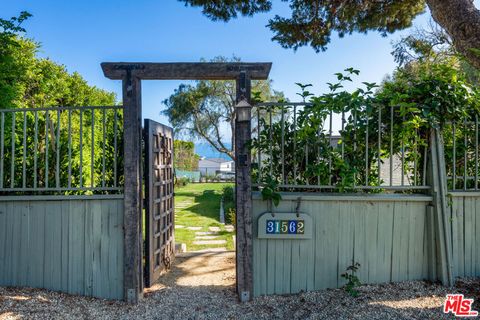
{"x":477,"y":238}
{"x":74,"y":246}
{"x":387,"y":237}
{"x":465,"y":226}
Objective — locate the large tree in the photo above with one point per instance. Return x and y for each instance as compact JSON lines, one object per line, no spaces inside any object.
{"x":313,"y":21}
{"x":203,"y":109}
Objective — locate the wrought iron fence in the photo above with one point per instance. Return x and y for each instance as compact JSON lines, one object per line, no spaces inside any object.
{"x":66,"y":150}
{"x":461,"y":154}
{"x":303,"y":146}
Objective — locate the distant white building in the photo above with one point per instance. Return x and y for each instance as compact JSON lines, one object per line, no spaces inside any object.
{"x":213,"y":166}
{"x":227,"y":166}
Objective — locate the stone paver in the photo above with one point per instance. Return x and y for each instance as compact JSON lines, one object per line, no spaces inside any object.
{"x":229,"y":228}
{"x":204,"y":233}
{"x":205,"y":237}
{"x":183,"y":206}
{"x":210,"y":242}
{"x":177,"y":226}
{"x":194,"y":228}
{"x":218,"y":249}
{"x":214,"y":229}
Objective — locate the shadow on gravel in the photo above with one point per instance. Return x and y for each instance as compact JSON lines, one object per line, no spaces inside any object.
{"x":201,"y":286}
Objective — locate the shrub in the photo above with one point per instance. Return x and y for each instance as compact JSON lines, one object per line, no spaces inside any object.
{"x":181,"y":182}
{"x":228,"y":195}
{"x":209,"y":177}
{"x":352,"y":279}
{"x":231,"y":216}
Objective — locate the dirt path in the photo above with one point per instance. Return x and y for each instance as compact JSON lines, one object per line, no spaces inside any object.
{"x":201,"y":286}
{"x":196,"y":269}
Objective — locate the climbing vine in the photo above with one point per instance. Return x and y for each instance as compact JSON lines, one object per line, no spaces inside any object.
{"x":402,"y":110}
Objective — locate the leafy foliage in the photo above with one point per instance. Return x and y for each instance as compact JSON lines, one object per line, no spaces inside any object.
{"x":426,"y":47}
{"x":440,"y":96}
{"x":313,"y":22}
{"x":226,"y":10}
{"x":181,"y":182}
{"x":309,"y":156}
{"x":423,"y":45}
{"x":436,"y":94}
{"x":185,"y":156}
{"x":231,"y":216}
{"x":228,"y":196}
{"x":27,"y":81}
{"x":350,"y":275}
{"x":431,"y":71}
{"x":14,"y":25}
{"x":402,"y":110}
{"x":269,"y":191}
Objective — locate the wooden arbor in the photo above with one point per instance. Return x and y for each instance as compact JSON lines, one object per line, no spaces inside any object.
{"x":131,"y":75}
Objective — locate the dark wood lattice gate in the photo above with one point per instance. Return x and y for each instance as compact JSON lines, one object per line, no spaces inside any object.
{"x":159,"y":208}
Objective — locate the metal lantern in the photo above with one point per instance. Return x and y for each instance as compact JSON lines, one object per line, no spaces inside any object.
{"x":243,"y":109}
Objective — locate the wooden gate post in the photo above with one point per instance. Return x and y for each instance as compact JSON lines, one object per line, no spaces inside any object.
{"x":437,"y":179}
{"x":133,"y":271}
{"x":243,"y":192}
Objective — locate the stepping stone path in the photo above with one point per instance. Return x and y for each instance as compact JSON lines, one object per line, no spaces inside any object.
{"x":177,"y":226}
{"x":209,"y":237}
{"x":183,"y":205}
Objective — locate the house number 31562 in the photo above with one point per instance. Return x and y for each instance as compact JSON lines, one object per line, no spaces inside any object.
{"x":285,"y":227}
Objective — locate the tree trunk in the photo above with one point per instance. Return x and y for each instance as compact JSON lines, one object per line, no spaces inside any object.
{"x":461,"y":20}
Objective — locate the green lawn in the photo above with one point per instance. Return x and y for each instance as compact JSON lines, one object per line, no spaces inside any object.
{"x":198,"y":205}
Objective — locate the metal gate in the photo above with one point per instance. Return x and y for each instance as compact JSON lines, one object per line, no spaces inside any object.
{"x":159,"y":208}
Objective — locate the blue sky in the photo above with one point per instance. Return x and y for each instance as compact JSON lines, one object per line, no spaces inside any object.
{"x":82,"y":34}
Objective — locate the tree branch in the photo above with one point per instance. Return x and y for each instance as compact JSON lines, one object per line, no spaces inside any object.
{"x":220,"y":147}
{"x":461,"y":20}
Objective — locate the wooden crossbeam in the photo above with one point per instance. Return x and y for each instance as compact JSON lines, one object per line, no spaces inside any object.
{"x":186,"y":71}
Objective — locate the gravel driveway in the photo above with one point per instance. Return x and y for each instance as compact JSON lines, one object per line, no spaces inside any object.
{"x":201,"y":286}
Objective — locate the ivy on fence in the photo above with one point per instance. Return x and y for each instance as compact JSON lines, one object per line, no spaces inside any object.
{"x":293,"y":147}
